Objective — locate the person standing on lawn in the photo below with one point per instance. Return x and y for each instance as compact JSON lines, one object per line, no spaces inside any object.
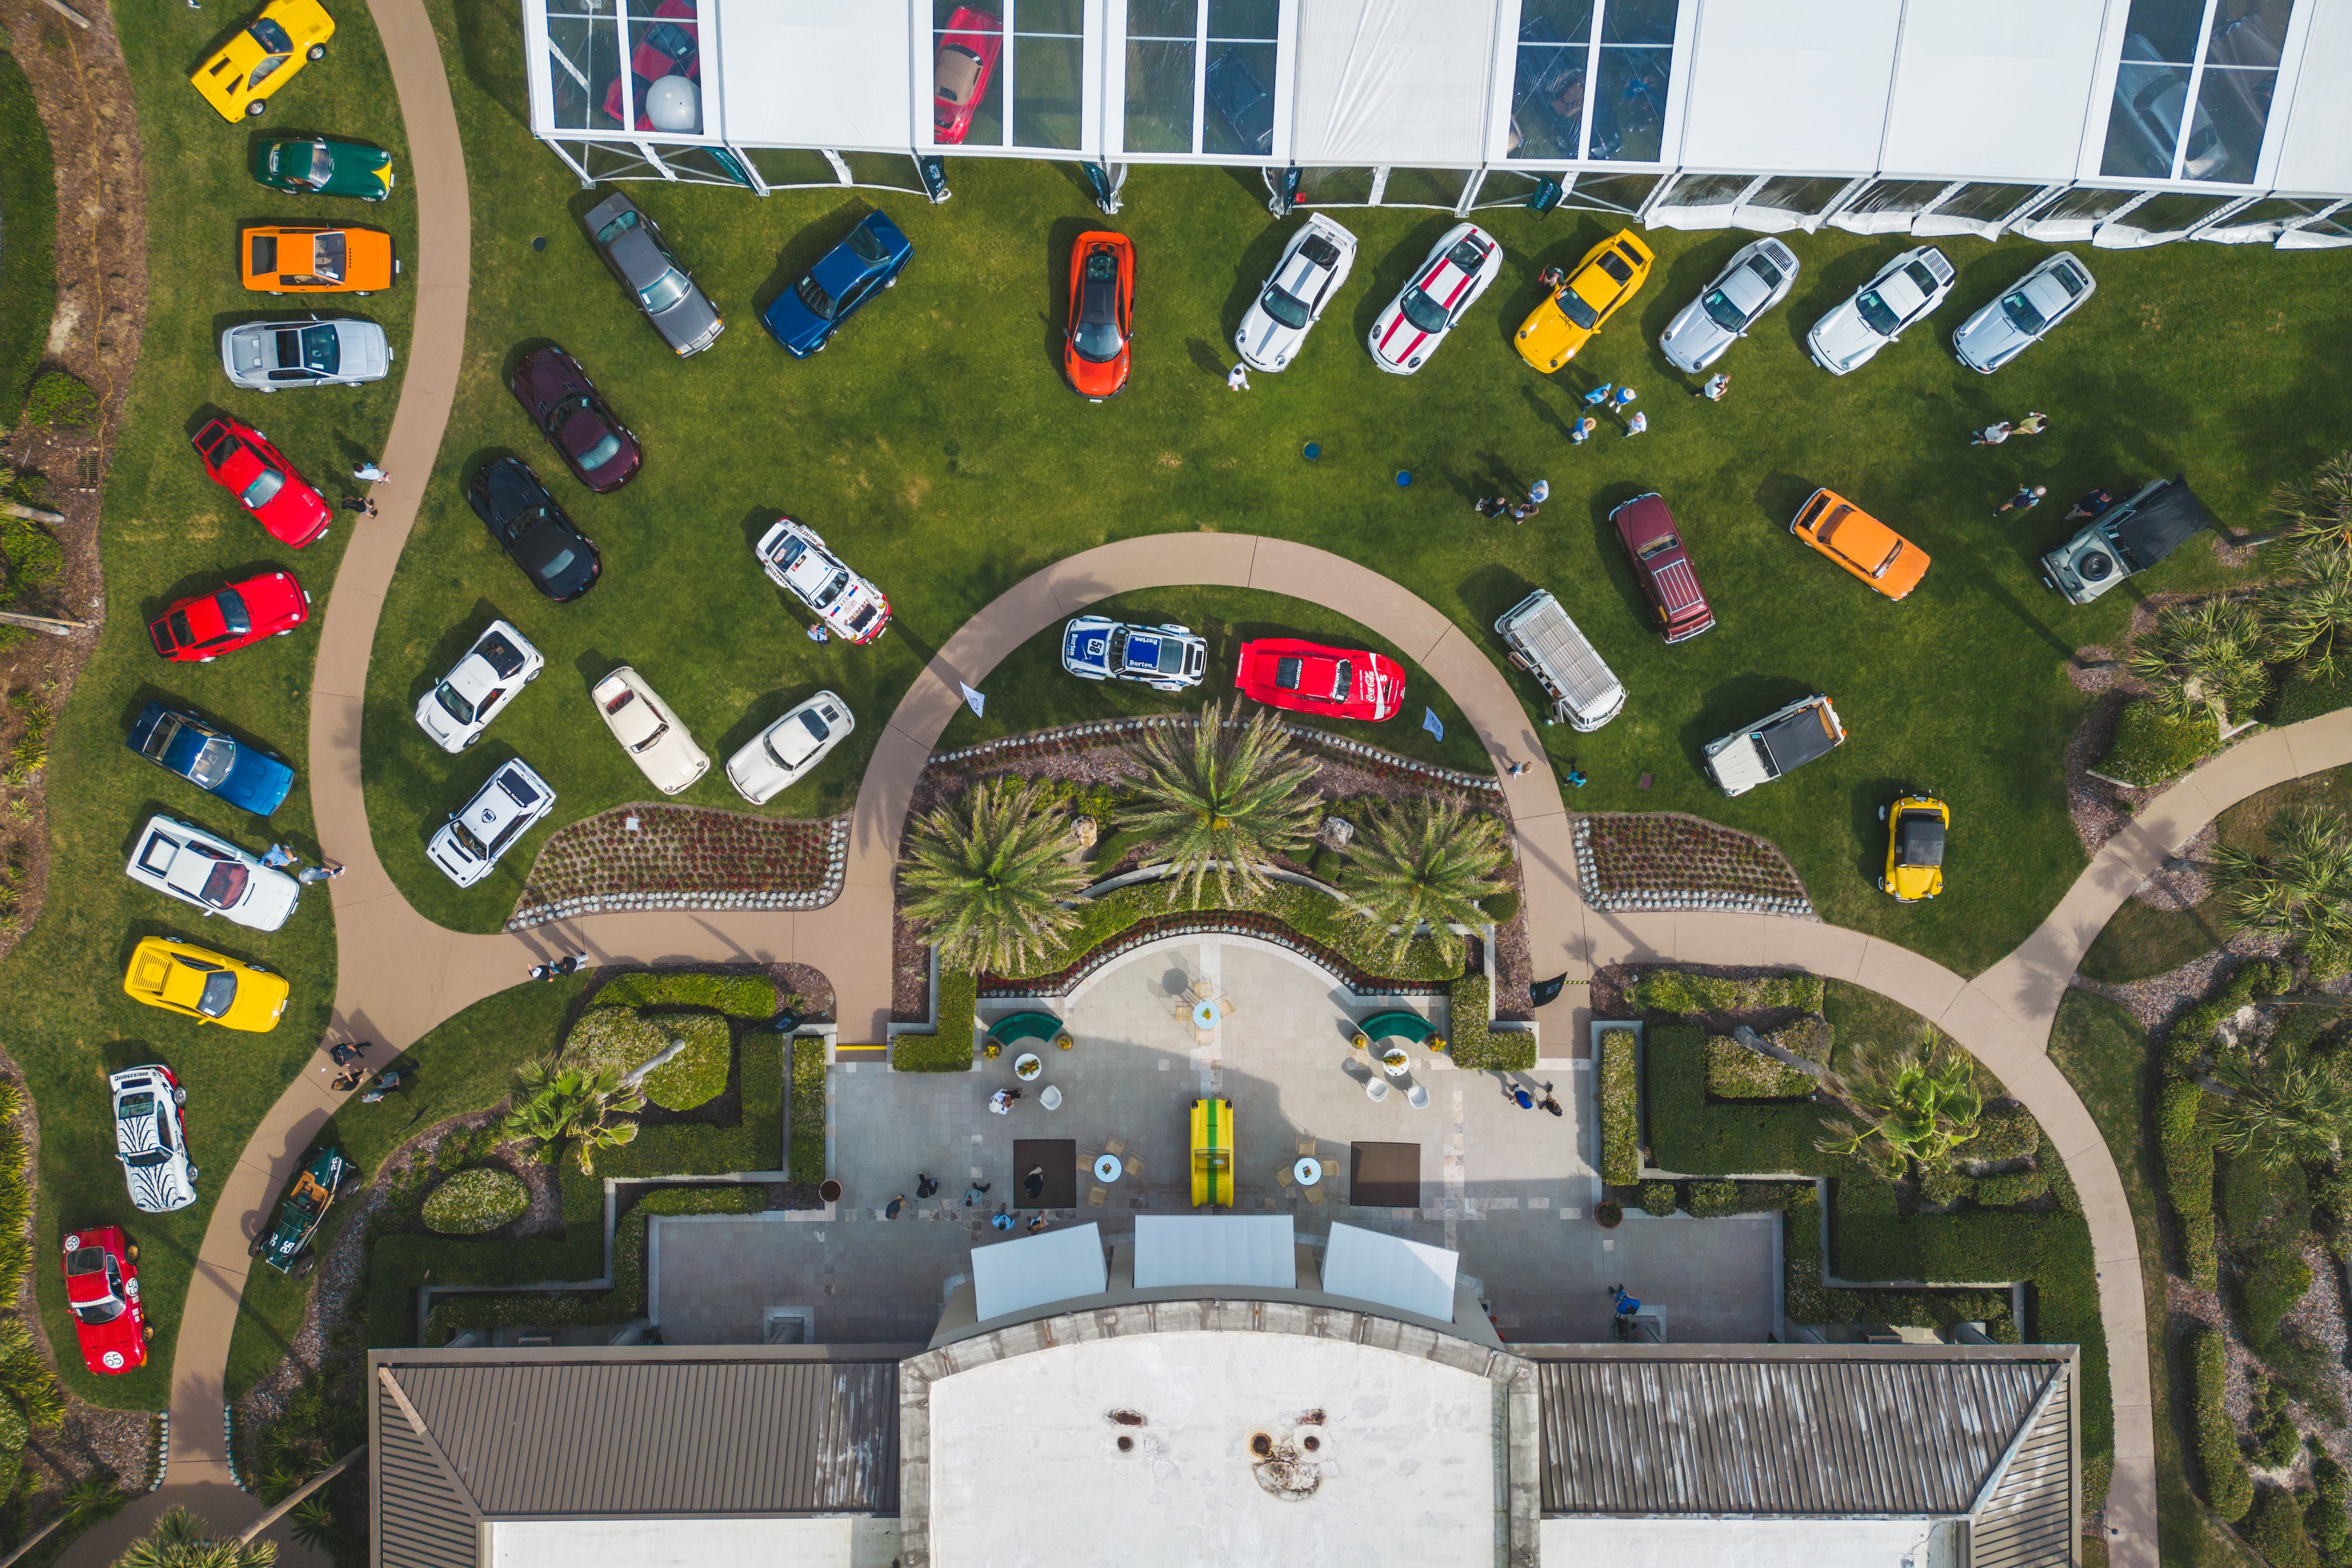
{"x":1716,"y":385}
{"x":2034,"y":425}
{"x":1991,"y":435}
{"x":1539,"y":493}
{"x":1491,"y":507}
{"x":2027,"y":497}
{"x":1581,"y":431}
{"x":1636,"y":425}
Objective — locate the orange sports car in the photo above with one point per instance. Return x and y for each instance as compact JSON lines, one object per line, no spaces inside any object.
{"x":1860,"y":544}
{"x":348,"y":261}
{"x":1102,"y":315}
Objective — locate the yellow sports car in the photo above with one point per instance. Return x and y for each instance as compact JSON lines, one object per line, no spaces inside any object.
{"x":1610,"y":273}
{"x":210,"y":987}
{"x":263,"y":56}
{"x":1915,"y":827}
{"x":1213,"y":1153}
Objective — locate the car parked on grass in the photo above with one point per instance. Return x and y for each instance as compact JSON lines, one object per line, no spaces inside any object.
{"x":847,"y":279}
{"x":1309,"y":678}
{"x":789,"y":750}
{"x":101,"y":1269}
{"x":1858,"y":542}
{"x":1096,"y":340}
{"x":239,"y":77}
{"x":655,"y":737}
{"x":642,"y":260}
{"x":563,"y":402}
{"x":207,"y":872}
{"x":267,"y":355}
{"x":1573,"y":314}
{"x":968,"y":47}
{"x":240,"y":460}
{"x":240,"y":772}
{"x":1904,"y":291}
{"x":200,"y":629}
{"x":560,"y":562}
{"x":470,"y":844}
{"x":2024,"y":314}
{"x":1550,"y":647}
{"x":281,"y":258}
{"x":1780,"y":742}
{"x":798,"y":561}
{"x":324,"y":166}
{"x":478,"y":687}
{"x":150,"y":1138}
{"x":1166,"y":658}
{"x":2126,"y":539}
{"x":1662,"y":565}
{"x":1413,"y":326}
{"x":1916,"y":828}
{"x":1758,"y":277}
{"x":210,"y":987}
{"x":1314,"y":266}
{"x":285,"y":1243}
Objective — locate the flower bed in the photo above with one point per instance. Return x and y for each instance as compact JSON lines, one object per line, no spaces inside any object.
{"x":475,"y":1201}
{"x":683,"y":858}
{"x":1663,"y":860}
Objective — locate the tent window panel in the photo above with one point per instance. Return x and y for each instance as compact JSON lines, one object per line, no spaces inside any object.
{"x":793,"y":166}
{"x":1048,"y":74}
{"x":1796,"y":194}
{"x":1423,"y":189}
{"x":664,"y":77}
{"x":2249,"y":34}
{"x":890,"y":171}
{"x":705,"y":166}
{"x":1061,"y":16}
{"x":1639,"y":22}
{"x":1512,"y":187}
{"x":1897,"y":197}
{"x":1335,"y":187}
{"x":2086,"y":203}
{"x":1257,"y":20}
{"x":1159,"y":95}
{"x":1162,"y":18}
{"x":1239,"y":96}
{"x":2236,"y":106}
{"x":583,"y":68}
{"x":2166,"y":30}
{"x":1707,"y":190}
{"x":2170,"y":214}
{"x":1547,"y":88}
{"x":2339,"y":226}
{"x":1628,"y":103}
{"x":1610,"y":193}
{"x":1984,"y":204}
{"x":2277,"y":210}
{"x":957,"y":70}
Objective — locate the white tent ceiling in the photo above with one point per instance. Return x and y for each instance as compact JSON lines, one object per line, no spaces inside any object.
{"x":1790,"y":84}
{"x":2317,"y":154}
{"x":816,"y":73}
{"x":1214,"y":1249}
{"x":1394,"y":81}
{"x":1994,"y":89}
{"x":1410,"y":1276}
{"x":1055,"y":1266}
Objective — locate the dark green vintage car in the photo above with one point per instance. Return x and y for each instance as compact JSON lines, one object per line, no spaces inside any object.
{"x":287,"y":1243}
{"x":324,"y":167}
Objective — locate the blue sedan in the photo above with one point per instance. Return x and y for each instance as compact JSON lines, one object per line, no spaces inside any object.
{"x":180,"y":742}
{"x":806,"y":316}
{"x":1168,"y":659}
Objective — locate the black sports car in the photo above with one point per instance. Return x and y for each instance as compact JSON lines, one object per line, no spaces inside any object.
{"x":522,"y":516}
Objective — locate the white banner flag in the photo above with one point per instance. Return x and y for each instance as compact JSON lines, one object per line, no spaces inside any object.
{"x":975,"y":701}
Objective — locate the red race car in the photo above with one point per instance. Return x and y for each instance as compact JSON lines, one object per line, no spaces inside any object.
{"x":199,"y":630}
{"x":1102,"y":314}
{"x":967,"y":59}
{"x":241,"y":460}
{"x":1307,"y":677}
{"x":103,"y":1287}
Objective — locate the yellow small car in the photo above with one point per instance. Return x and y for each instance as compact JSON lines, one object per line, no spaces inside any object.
{"x":1610,"y":273}
{"x":265,"y":55}
{"x":278,"y":259}
{"x":210,"y":987}
{"x":1915,"y":827}
{"x":1213,"y":1153}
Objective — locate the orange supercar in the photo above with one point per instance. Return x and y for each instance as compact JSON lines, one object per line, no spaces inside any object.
{"x":1860,"y":544}
{"x":278,"y":259}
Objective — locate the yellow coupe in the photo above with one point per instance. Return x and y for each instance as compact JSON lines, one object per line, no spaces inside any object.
{"x":210,"y":987}
{"x":1610,"y":273}
{"x":1213,"y":1153}
{"x":1916,"y":828}
{"x":264,"y":55}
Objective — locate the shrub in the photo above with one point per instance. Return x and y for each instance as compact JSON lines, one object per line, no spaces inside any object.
{"x":2185,"y":1041}
{"x":2326,"y":1521}
{"x":739,"y":995}
{"x":1659,"y":1198}
{"x":1682,"y":991}
{"x":1940,"y":1185}
{"x":2149,"y":747}
{"x":2305,"y":694}
{"x":1621,"y":1114}
{"x":28,"y":196}
{"x":697,"y":1075}
{"x":618,"y":1037}
{"x":2004,"y":1133}
{"x":1735,"y":1072}
{"x":2276,"y":1529}
{"x":1501,"y":908}
{"x":1713,"y":1200}
{"x":2276,"y":1279}
{"x":475,"y":1201}
{"x":2227,"y":1486}
{"x":13,"y":1435}
{"x":805,"y":1147}
{"x":2016,"y":1187}
{"x":1689,"y":1135}
{"x":950,"y":1049}
{"x":1477,"y":1045}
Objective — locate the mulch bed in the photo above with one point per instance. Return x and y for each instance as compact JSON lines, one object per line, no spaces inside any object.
{"x":683,"y":853}
{"x":1667,"y":852}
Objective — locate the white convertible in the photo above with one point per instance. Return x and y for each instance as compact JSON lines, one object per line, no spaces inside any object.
{"x":787,"y":751}
{"x":653,"y":736}
{"x":212,"y":874}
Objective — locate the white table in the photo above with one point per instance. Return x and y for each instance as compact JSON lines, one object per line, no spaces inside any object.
{"x":1026,"y":1067}
{"x":1107,"y":1168}
{"x":1308,"y":1171}
{"x":1396,"y":1066}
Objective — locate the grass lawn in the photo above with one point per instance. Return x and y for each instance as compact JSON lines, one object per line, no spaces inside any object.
{"x":169,"y":532}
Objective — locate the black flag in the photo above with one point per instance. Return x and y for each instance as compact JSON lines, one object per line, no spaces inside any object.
{"x":1543,"y":993}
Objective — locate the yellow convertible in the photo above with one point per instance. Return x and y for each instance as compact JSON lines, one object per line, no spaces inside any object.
{"x":264,"y":55}
{"x":210,"y":987}
{"x":1915,"y":827}
{"x":1213,"y":1153}
{"x":1610,"y":273}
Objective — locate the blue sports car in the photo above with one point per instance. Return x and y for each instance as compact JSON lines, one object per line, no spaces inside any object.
{"x":806,"y":316}
{"x":1168,"y":658}
{"x":180,"y":742}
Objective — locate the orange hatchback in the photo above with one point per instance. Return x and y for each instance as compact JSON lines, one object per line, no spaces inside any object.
{"x":316,"y":260}
{"x":1095,"y":353}
{"x":1860,"y":544}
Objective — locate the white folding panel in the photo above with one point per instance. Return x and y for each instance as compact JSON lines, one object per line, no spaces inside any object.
{"x":1791,"y":86}
{"x":1410,"y":1275}
{"x":1173,"y":1250}
{"x":1055,"y":1266}
{"x":1402,"y":82}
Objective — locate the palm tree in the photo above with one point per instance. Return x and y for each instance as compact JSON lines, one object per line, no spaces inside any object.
{"x":178,"y":1540}
{"x":555,"y":1105}
{"x":2302,"y":887}
{"x":314,"y":1524}
{"x":2311,"y":609}
{"x":2204,"y":658}
{"x":993,"y":874}
{"x":1232,"y":805}
{"x":2284,"y":1107}
{"x":2318,"y":512}
{"x":1426,"y":862}
{"x":1919,"y":1109}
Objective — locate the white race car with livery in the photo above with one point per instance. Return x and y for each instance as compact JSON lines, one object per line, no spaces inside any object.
{"x":1167,"y":658}
{"x":150,"y":1138}
{"x":1411,"y":326}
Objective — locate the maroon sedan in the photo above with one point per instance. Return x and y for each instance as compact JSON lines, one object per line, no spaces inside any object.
{"x":103,"y":1287}
{"x":561,"y":400}
{"x":199,"y":630}
{"x":241,"y":460}
{"x":1654,"y":546}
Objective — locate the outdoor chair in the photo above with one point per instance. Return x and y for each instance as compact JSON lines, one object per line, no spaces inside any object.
{"x":1095,"y":1198}
{"x":1282,"y":1175}
{"x":1113,"y":1146}
{"x":1376,"y":1089}
{"x":1133,"y":1164}
{"x":1417,"y":1097}
{"x":1313,"y":1194}
{"x":1051,"y":1098}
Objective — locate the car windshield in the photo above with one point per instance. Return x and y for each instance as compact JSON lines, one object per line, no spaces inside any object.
{"x":224,"y":887}
{"x":467,"y":842}
{"x":1171,"y":655}
{"x":1467,"y":256}
{"x":1572,"y":305}
{"x":1290,"y":312}
{"x":321,"y":349}
{"x":213,"y":759}
{"x":220,"y":990}
{"x":867,"y":245}
{"x":150,"y":1160}
{"x":664,"y":290}
{"x":97,"y":1312}
{"x":233,"y":612}
{"x":2022,"y":314}
{"x":502,"y":655}
{"x":831,"y":591}
{"x":453,"y":703}
{"x":811,"y":294}
{"x":816,"y":727}
{"x":606,"y":448}
{"x":1422,"y":311}
{"x":322,"y":164}
{"x":85,"y":1260}
{"x":1874,"y":313}
{"x":263,"y":489}
{"x":1766,"y":270}
{"x":1721,"y":310}
{"x":327,"y":252}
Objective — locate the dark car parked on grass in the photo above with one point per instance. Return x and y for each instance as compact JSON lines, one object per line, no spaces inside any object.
{"x":804,"y":316}
{"x":642,"y":260}
{"x":523,"y":518}
{"x":179,"y":742}
{"x":563,"y":402}
{"x":1669,"y":581}
{"x":286,"y":1245}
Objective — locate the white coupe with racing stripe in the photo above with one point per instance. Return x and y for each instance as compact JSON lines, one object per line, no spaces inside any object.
{"x":1459,"y":269}
{"x":1304,"y":282}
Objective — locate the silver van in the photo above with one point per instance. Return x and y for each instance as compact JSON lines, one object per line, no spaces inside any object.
{"x":1546,"y":644}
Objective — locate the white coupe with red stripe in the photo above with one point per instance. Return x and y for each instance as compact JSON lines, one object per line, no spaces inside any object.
{"x":1457,"y":272}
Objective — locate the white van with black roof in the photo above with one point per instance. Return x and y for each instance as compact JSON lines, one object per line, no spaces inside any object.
{"x":501,"y":812}
{"x":1546,"y":644}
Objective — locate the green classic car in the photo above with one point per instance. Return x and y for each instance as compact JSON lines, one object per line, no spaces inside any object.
{"x":287,"y":1243}
{"x":324,"y":165}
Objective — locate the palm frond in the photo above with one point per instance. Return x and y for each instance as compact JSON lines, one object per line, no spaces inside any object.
{"x":2282,"y":1107}
{"x":2310,"y":612}
{"x":1426,"y":862}
{"x":993,"y":874}
{"x":2318,"y":511}
{"x":2207,"y":657}
{"x":1231,"y":804}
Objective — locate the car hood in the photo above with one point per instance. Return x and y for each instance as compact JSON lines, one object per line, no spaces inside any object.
{"x":1840,"y":338}
{"x":1692,"y":335}
{"x":1087,"y":647}
{"x":1265,"y":341}
{"x":1988,"y":336}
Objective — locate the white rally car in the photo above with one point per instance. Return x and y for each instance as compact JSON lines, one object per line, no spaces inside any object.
{"x":1304,"y":282}
{"x":217,"y":877}
{"x":463,"y":702}
{"x":1167,"y":658}
{"x":1449,"y":282}
{"x":150,"y":1138}
{"x":655,"y":737}
{"x":795,"y":555}
{"x":501,"y":812}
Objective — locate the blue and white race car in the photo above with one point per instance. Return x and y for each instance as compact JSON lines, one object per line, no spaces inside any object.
{"x":1169,"y":657}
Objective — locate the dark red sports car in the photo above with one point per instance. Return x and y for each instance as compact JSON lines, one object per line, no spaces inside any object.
{"x":242,"y":461}
{"x":1307,"y":677}
{"x":199,"y":630}
{"x":562,"y":401}
{"x":967,"y":59}
{"x":103,"y":1287}
{"x":1646,"y":529}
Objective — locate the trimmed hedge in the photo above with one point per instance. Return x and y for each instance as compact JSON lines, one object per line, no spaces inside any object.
{"x":2276,"y":1529}
{"x":2227,"y":1484}
{"x":2330,"y":1530}
{"x":2300,"y":697}
{"x":28,"y":197}
{"x":806,"y":1146}
{"x":1735,"y":1072}
{"x":2011,"y":1187}
{"x":614,"y":1038}
{"x":1681,"y":990}
{"x":2149,"y":747}
{"x":1712,"y":1200}
{"x":1620,"y":1109}
{"x":472,"y":1202}
{"x":742,"y":996}
{"x":1476,"y":1046}
{"x":1689,"y":1135}
{"x":950,"y":1049}
{"x":697,"y":1075}
{"x":2185,"y":1041}
{"x":2004,"y":1133}
{"x":1807,"y":1301}
{"x":2186,"y":1146}
{"x":1659,"y":1198}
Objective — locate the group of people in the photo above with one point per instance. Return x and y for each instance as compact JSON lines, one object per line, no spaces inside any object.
{"x":1032,"y":1185}
{"x":277,"y":858}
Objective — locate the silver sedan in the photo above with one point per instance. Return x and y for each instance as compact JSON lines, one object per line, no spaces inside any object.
{"x":1756,"y":279}
{"x":2024,"y":314}
{"x":312,"y":351}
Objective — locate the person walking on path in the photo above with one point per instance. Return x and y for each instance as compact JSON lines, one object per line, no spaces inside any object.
{"x":367,"y":473}
{"x":2027,"y":497}
{"x":974,"y":1192}
{"x":1237,"y":379}
{"x":1581,"y":431}
{"x":1000,"y":1220}
{"x":1539,"y":493}
{"x":1524,"y":510}
{"x":1491,"y":507}
{"x":1636,"y":425}
{"x":1037,"y":1223}
{"x":896,"y":1205}
{"x":2034,"y":425}
{"x":1716,"y":385}
{"x":1625,"y":399}
{"x":925,"y":1184}
{"x":308,"y":874}
{"x":1991,"y":435}
{"x":1548,"y":1103}
{"x":354,"y":504}
{"x":556,"y":969}
{"x":1599,"y":396}
{"x":1516,"y":769}
{"x":2091,"y":505}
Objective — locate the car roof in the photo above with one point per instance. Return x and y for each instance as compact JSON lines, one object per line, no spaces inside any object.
{"x":1799,"y":737}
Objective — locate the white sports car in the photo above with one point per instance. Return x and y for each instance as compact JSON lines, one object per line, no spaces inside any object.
{"x":1906,"y":289}
{"x":150,"y":1138}
{"x":502,"y":811}
{"x":478,"y":687}
{"x":654,"y":738}
{"x":2024,"y":314}
{"x":1458,"y":269}
{"x":1304,"y":282}
{"x":267,"y":355}
{"x":795,"y":556}
{"x":217,"y":877}
{"x":784,"y":754}
{"x":1167,"y":658}
{"x":1758,"y":278}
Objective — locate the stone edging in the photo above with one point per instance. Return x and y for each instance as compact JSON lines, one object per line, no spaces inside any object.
{"x":836,"y":863}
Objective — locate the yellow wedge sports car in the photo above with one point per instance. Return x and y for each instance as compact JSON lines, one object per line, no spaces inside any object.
{"x":264,"y":55}
{"x":1916,"y":828}
{"x":210,"y":987}
{"x":1213,"y":1153}
{"x":1610,"y":273}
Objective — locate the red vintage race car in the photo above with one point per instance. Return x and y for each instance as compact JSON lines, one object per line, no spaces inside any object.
{"x":199,"y":630}
{"x":242,"y":461}
{"x":1307,"y":677}
{"x":102,"y":1288}
{"x":967,"y":59}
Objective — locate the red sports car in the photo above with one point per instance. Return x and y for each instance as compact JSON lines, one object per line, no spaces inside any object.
{"x":1307,"y":677}
{"x":967,"y":59}
{"x":103,"y":1287}
{"x":1102,"y":314}
{"x":242,"y":461}
{"x":668,"y":48}
{"x":199,"y":630}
